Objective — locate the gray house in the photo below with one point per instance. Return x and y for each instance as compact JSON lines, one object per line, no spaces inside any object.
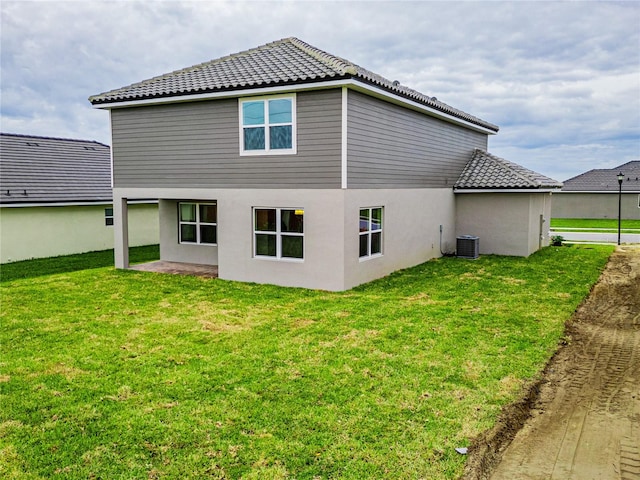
{"x":285,"y":164}
{"x":55,"y":199}
{"x":594,"y":194}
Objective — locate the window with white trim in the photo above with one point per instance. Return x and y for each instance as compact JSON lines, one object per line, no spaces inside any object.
{"x":198,"y":223}
{"x":278,"y":233}
{"x":268,"y":125}
{"x":370,"y":232}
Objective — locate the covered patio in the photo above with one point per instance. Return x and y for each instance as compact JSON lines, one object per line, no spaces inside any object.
{"x":178,"y":268}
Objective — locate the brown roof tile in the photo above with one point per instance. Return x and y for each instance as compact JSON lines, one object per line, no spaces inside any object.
{"x":606,"y":179}
{"x":53,"y":170}
{"x":289,"y":61}
{"x":488,"y":172}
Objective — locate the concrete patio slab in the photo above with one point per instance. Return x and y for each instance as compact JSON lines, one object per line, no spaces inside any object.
{"x":177,"y":268}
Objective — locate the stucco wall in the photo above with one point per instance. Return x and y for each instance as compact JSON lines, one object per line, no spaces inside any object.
{"x":38,"y":232}
{"x":595,"y":205}
{"x":412,"y":219}
{"x":540,"y":205}
{"x":506,"y":223}
{"x":411,"y":225}
{"x":170,"y":248}
{"x":144,"y":228}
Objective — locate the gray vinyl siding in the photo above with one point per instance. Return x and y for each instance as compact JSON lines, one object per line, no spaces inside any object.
{"x":394,"y":147}
{"x":196,"y":145}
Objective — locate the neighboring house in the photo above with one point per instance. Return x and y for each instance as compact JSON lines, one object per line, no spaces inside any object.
{"x":55,"y":199}
{"x":285,"y":164}
{"x":594,"y":194}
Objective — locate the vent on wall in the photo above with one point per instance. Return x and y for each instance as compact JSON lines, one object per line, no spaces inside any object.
{"x":467,"y":246}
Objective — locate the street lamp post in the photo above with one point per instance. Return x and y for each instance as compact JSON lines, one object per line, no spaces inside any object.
{"x":620,"y":179}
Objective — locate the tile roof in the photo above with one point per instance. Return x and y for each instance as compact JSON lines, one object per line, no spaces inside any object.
{"x":606,"y":179}
{"x":289,"y":61}
{"x":488,"y":172}
{"x":53,"y":170}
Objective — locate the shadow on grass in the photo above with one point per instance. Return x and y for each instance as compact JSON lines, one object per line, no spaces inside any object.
{"x":71,"y":263}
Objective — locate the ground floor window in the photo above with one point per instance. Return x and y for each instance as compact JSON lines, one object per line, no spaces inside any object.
{"x":198,"y":223}
{"x":370,"y":231}
{"x":278,"y":232}
{"x":108,"y":217}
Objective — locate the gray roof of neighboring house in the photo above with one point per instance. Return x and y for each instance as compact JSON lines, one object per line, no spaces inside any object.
{"x":289,"y":61}
{"x":606,"y":179}
{"x":53,"y":170}
{"x":488,"y":172}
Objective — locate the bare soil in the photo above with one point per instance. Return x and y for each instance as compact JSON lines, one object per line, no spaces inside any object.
{"x":581,"y":420}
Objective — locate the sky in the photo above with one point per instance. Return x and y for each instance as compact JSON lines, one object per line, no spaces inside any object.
{"x":561,"y":79}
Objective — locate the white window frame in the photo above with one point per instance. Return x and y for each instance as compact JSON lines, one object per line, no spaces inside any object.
{"x":370,"y":232}
{"x":197,"y":223}
{"x":267,"y":150}
{"x":278,"y":234}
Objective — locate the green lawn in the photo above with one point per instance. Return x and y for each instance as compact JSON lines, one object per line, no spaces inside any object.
{"x":132,"y":375}
{"x":73,"y":263}
{"x":595,"y":224}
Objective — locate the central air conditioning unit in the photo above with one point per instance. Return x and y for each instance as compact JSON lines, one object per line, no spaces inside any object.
{"x":467,"y":246}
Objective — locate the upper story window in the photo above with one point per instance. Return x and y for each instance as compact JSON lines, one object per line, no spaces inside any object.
{"x":198,"y":223}
{"x":370,"y":232}
{"x":268,"y":125}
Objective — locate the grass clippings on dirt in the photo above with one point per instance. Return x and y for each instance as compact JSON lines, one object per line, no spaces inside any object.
{"x":122,"y":374}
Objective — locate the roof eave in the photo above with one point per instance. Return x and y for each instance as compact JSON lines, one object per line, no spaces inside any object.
{"x":507,"y":190}
{"x":56,"y":203}
{"x":372,"y":88}
{"x":601,"y":191}
{"x":349,"y":81}
{"x":204,"y":94}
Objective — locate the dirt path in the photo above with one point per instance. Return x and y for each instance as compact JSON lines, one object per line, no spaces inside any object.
{"x":582,"y":420}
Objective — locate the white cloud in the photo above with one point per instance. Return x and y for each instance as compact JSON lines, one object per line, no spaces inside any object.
{"x":562,"y":79}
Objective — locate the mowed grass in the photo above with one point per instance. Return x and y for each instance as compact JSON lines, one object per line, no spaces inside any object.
{"x":73,"y":263}
{"x":595,"y":224}
{"x":131,"y":375}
